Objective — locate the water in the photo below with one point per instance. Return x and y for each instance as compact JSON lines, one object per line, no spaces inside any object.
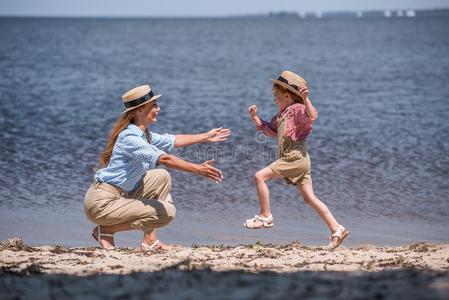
{"x":379,"y":148}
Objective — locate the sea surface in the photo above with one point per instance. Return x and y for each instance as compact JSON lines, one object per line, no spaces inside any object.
{"x":379,"y":149}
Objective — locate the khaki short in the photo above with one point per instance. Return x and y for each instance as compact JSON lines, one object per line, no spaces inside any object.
{"x":149,"y":206}
{"x":294,"y":171}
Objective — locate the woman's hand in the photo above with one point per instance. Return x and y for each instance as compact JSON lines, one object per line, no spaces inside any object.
{"x":218,"y":135}
{"x":211,"y":173}
{"x":304,"y":92}
{"x":205,"y":169}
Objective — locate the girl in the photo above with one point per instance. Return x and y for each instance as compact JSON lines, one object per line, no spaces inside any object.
{"x":292,"y":125}
{"x":128,"y":191}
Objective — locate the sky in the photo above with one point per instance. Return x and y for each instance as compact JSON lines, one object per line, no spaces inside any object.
{"x":127,"y":8}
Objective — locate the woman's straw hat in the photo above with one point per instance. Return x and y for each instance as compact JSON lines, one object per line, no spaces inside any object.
{"x":138,"y":96}
{"x":291,"y":81}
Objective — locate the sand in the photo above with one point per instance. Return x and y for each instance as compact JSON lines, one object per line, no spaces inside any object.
{"x":258,"y":271}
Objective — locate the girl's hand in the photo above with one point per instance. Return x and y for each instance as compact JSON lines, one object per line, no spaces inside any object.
{"x":211,"y":173}
{"x":218,"y":135}
{"x":252,"y":110}
{"x":304,"y":92}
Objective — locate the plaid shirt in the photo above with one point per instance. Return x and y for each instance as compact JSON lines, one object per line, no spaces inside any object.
{"x":299,"y":124}
{"x":133,"y":156}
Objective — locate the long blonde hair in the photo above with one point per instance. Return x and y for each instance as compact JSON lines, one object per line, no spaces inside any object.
{"x":119,"y":126}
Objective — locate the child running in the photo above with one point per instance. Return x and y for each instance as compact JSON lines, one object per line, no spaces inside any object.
{"x":292,"y":125}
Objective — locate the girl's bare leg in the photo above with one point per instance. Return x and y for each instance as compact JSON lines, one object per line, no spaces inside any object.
{"x":263,"y":193}
{"x":306,"y":190}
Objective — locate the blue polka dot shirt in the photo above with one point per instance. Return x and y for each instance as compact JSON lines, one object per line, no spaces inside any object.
{"x":133,"y":156}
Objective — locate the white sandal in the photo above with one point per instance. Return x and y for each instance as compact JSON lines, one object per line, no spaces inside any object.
{"x":266,"y":222}
{"x":150,"y":248}
{"x":99,"y":235}
{"x":341,"y":233}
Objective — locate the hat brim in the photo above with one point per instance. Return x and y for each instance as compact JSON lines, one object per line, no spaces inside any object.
{"x":149,"y":100}
{"x":285,"y":85}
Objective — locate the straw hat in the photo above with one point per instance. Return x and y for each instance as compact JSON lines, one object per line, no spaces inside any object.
{"x":291,"y":81}
{"x":138,"y":96}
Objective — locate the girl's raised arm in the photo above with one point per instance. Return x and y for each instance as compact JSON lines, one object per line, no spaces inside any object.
{"x":310,"y":109}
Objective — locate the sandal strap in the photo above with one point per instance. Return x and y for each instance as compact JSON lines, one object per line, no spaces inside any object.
{"x":339,"y":232}
{"x":268,"y":219}
{"x":340,"y":235}
{"x":107,"y":234}
{"x":100,"y":234}
{"x":265,"y":221}
{"x":150,"y":247}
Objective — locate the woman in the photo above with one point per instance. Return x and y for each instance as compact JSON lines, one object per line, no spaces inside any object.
{"x":128,"y":191}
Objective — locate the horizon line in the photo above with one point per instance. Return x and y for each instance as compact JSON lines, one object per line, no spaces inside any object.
{"x":237,"y":15}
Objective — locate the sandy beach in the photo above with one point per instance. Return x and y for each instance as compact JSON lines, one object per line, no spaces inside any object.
{"x":262,"y":271}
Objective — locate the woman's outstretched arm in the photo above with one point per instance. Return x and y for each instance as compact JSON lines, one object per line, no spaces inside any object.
{"x":205,"y":169}
{"x":213,"y":136}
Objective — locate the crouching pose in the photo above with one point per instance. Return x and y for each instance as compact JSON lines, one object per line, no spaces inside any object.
{"x":128,"y":191}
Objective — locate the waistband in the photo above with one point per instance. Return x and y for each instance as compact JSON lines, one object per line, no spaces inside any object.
{"x":107,"y":187}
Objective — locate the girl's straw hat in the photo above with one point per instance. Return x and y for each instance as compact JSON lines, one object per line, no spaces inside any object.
{"x":138,"y":96}
{"x":291,"y":81}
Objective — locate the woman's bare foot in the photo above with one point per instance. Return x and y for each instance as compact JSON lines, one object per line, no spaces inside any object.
{"x":107,"y":241}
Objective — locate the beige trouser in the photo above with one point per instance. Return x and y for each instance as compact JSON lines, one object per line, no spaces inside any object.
{"x":147,"y":207}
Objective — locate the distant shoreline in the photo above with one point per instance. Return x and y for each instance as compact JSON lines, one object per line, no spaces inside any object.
{"x":386,"y":13}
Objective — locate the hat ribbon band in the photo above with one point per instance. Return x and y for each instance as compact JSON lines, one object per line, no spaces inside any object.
{"x":282,"y":79}
{"x":139,"y":101}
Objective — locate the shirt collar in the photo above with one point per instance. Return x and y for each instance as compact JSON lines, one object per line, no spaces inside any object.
{"x":135,"y":129}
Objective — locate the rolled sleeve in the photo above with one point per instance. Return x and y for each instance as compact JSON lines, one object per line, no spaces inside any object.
{"x":166,"y":141}
{"x":300,"y":114}
{"x":270,"y":129}
{"x":299,"y":123}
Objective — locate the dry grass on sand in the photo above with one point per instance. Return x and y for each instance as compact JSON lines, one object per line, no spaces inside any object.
{"x":259,"y":271}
